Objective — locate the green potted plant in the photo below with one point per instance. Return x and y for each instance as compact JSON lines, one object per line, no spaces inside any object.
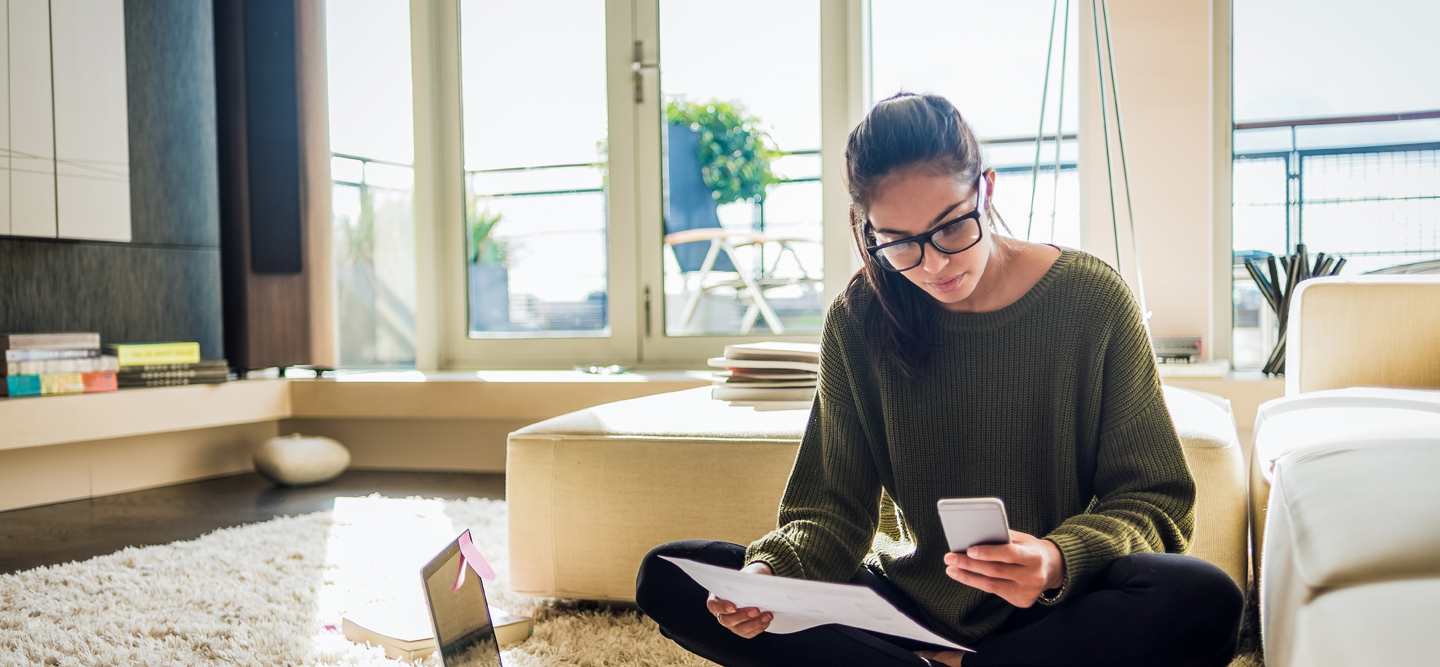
{"x":717,"y":155}
{"x":734,"y":154}
{"x":488,"y":268}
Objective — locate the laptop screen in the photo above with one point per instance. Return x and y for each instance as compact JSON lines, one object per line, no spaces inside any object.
{"x":463,"y":628}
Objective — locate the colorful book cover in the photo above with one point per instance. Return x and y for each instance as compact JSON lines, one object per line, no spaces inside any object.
{"x":51,"y":384}
{"x":22,"y":385}
{"x":140,"y":354}
{"x":61,"y":383}
{"x":99,"y":382}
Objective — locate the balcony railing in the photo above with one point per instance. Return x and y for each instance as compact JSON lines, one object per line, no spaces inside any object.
{"x":1364,"y":187}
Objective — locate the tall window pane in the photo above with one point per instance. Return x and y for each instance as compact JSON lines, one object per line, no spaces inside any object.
{"x":533,"y":96}
{"x":372,"y":138}
{"x":1312,"y":162}
{"x":988,"y":58}
{"x":741,"y":90}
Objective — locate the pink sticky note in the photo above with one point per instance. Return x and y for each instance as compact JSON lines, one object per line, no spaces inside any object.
{"x":469,"y":555}
{"x":473,"y":557}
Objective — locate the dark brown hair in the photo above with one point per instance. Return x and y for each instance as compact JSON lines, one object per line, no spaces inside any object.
{"x":902,"y":132}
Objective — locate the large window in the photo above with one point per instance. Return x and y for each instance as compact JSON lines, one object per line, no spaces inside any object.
{"x":989,"y":59}
{"x":623,"y":181}
{"x":1338,"y":149}
{"x":372,"y":138}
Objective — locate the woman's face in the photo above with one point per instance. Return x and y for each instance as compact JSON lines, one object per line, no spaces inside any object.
{"x":915,"y":201}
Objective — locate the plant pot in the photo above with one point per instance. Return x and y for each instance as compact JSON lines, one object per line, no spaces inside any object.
{"x":489,"y":297}
{"x":688,"y":202}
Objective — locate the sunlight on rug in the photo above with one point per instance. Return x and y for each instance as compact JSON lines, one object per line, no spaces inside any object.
{"x":264,"y":594}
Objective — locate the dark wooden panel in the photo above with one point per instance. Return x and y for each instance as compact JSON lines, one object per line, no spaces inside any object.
{"x":126,"y":292}
{"x":169,"y":63}
{"x":266,"y":315}
{"x":272,"y":122}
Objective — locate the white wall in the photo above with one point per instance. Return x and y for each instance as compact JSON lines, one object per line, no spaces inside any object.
{"x":1174,"y":101}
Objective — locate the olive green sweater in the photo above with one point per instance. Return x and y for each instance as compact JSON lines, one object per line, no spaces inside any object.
{"x":1052,"y":404}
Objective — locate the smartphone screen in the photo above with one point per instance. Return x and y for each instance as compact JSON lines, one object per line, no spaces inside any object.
{"x":972,"y":521}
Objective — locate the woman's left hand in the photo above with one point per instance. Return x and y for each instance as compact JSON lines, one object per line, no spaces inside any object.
{"x":1020,"y":572}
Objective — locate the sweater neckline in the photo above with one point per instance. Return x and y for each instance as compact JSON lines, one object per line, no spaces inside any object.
{"x":998,"y":318}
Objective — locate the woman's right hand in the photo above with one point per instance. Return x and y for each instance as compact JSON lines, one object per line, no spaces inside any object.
{"x":746,"y":622}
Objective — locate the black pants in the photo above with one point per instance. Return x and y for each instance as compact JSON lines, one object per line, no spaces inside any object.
{"x":1144,"y":609}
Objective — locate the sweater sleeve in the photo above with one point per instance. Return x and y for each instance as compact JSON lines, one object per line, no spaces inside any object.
{"x":830,"y":508}
{"x":1144,"y":493}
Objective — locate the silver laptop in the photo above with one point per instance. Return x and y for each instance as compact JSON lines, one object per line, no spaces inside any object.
{"x":460,"y":615}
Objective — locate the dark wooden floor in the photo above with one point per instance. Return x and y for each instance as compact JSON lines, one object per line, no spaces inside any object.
{"x":84,"y":529}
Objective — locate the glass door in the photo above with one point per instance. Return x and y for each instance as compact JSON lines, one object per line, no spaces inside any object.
{"x":546,"y":215}
{"x":729,"y":131}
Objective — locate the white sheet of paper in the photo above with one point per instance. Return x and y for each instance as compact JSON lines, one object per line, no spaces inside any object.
{"x":800,"y":604}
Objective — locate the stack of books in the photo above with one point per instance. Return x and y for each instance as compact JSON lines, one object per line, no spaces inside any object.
{"x":767,"y":376}
{"x":45,"y":364}
{"x":405,"y":632}
{"x":166,"y":365}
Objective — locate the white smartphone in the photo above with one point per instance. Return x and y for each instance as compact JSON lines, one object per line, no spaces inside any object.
{"x":972,"y":521}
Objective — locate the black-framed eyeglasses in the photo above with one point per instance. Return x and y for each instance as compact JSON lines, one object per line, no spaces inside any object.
{"x":953,"y":237}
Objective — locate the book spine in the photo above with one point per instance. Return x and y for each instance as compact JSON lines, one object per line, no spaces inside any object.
{"x":99,"y":382}
{"x":38,"y":355}
{"x":22,"y":385}
{"x":128,"y":374}
{"x":53,"y":384}
{"x":170,"y":382}
{"x":61,"y":383}
{"x":761,"y":394}
{"x":48,"y":366}
{"x":157,"y":353}
{"x":50,"y":341}
{"x":218,"y":365}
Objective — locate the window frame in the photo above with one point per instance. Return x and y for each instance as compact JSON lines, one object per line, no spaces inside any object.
{"x":441,"y":178}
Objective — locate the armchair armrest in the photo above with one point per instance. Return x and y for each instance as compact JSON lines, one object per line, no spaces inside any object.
{"x":1373,"y":331}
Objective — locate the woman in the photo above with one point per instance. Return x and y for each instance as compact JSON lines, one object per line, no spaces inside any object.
{"x":963,"y":363}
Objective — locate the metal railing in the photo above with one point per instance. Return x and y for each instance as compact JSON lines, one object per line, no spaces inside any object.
{"x":1298,"y":168}
{"x":358,"y":283}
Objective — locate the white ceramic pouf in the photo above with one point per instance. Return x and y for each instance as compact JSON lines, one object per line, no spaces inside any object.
{"x":298,"y":460}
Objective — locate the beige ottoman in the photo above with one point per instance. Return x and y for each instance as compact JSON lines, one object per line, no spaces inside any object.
{"x":591,"y":492}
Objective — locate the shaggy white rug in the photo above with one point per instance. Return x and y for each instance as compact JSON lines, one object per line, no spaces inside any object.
{"x":264,"y":594}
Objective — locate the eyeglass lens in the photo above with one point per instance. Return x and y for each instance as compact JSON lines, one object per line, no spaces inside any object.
{"x":952,"y":237}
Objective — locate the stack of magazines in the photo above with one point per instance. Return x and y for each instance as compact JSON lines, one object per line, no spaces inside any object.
{"x":44,"y":364}
{"x":767,"y":376}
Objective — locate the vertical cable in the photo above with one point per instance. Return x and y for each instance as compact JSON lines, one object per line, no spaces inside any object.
{"x":1060,"y":118}
{"x":1124,"y":167}
{"x":1044,"y":94}
{"x":1105,"y":129}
